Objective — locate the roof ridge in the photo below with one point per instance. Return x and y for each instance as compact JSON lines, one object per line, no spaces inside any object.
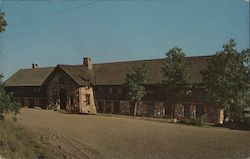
{"x":36,"y":68}
{"x":69,"y":65}
{"x":201,"y":56}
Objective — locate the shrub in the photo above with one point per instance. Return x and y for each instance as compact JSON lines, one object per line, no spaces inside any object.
{"x":199,"y":121}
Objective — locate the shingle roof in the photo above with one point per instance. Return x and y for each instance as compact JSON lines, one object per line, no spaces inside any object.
{"x":79,"y":73}
{"x":105,"y":73}
{"x":115,"y":73}
{"x":29,"y":77}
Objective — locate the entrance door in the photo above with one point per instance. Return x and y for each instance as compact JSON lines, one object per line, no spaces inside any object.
{"x":63,"y":99}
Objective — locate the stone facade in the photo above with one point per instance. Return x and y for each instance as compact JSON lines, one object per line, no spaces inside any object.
{"x":86,"y":100}
{"x":91,"y":88}
{"x":184,"y":112}
{"x":64,"y":93}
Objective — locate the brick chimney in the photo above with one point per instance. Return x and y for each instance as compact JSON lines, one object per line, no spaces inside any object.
{"x":87,"y":62}
{"x":34,"y":65}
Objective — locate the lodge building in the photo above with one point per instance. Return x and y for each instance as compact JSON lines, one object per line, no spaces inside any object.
{"x":98,"y":88}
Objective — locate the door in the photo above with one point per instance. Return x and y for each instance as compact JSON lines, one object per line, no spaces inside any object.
{"x":117,"y":107}
{"x":108,"y":107}
{"x":100,"y":105}
{"x":63,"y":99}
{"x":168,"y":110}
{"x":199,"y":110}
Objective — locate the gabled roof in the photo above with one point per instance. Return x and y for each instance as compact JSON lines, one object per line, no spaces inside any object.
{"x":29,"y":77}
{"x":115,"y":73}
{"x":105,"y":73}
{"x":79,"y":73}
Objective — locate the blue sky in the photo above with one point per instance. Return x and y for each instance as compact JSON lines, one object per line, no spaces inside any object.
{"x":51,"y":32}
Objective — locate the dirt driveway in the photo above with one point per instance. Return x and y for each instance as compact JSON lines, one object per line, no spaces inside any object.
{"x":94,"y":136}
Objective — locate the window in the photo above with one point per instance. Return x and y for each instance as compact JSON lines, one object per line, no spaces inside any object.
{"x":168,"y":110}
{"x":187,"y":112}
{"x":119,"y":90}
{"x":110,"y":90}
{"x":87,"y":99}
{"x":100,"y":89}
{"x":36,"y":90}
{"x":150,"y":92}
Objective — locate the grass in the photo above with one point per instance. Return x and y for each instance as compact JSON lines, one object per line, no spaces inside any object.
{"x":17,"y":142}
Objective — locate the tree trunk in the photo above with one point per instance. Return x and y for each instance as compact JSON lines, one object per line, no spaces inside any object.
{"x":135,"y":109}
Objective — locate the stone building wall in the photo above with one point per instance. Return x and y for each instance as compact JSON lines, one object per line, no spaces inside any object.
{"x":86,"y":100}
{"x":159,"y":109}
{"x":62,"y":92}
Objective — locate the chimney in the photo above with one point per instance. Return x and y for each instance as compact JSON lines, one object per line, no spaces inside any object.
{"x":87,"y":62}
{"x":34,"y":65}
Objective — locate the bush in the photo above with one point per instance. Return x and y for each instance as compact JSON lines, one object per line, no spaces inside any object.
{"x":199,"y":121}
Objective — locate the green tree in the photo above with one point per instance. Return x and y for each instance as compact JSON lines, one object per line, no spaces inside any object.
{"x":175,"y":75}
{"x":226,"y":80}
{"x":134,"y":83}
{"x":6,"y":101}
{"x":3,"y":22}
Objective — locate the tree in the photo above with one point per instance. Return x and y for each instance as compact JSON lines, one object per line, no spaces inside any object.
{"x":135,"y":85}
{"x":226,"y":80}
{"x":3,"y":23}
{"x":6,"y":101}
{"x":175,"y":75}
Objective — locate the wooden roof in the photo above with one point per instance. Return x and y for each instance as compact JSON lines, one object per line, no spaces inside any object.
{"x":113,"y":73}
{"x":79,"y":73}
{"x":29,"y":77}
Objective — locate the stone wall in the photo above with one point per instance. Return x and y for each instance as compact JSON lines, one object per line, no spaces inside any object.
{"x":84,"y":105}
{"x":159,"y":109}
{"x":60,"y":82}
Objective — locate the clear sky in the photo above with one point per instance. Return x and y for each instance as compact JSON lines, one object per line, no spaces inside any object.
{"x":50,"y":32}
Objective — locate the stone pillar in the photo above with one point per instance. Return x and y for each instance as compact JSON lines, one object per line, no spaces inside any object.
{"x":193,"y":111}
{"x":220,"y":116}
{"x":179,"y":111}
{"x":83,"y":106}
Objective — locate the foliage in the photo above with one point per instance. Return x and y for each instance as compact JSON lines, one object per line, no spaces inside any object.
{"x":3,"y":22}
{"x":176,"y":75}
{"x":226,"y":80}
{"x":199,"y":121}
{"x":135,"y":85}
{"x":6,"y":101}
